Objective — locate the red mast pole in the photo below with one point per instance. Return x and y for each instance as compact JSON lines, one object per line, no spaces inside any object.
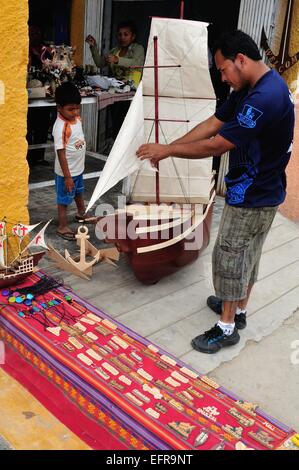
{"x":156,"y":113}
{"x":182,"y":9}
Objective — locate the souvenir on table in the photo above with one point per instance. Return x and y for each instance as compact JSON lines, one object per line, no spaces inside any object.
{"x":19,"y":255}
{"x":115,"y":389}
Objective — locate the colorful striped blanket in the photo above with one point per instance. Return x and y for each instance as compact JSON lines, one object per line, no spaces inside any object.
{"x":114,"y":388}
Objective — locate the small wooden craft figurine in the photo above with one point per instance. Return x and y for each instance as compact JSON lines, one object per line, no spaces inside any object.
{"x":83,"y":265}
{"x":80,"y":266}
{"x":18,"y":254}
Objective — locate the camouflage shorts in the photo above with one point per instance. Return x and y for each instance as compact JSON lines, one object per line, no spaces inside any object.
{"x":238,"y":249}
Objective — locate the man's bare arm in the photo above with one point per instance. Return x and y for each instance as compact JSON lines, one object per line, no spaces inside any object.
{"x":193,"y":150}
{"x":204,"y":130}
{"x":201,"y":149}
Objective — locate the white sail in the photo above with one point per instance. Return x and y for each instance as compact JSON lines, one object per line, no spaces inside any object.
{"x":39,"y":240}
{"x":185,"y":93}
{"x":181,"y":180}
{"x":2,"y":251}
{"x":122,"y":160}
{"x":21,"y":230}
{"x":183,"y":43}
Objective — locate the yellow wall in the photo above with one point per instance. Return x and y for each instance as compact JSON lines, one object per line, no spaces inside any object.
{"x":291,"y":206}
{"x":13,"y":122}
{"x":77,"y":29}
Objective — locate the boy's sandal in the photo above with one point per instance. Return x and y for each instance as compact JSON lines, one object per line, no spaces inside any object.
{"x":86,"y":219}
{"x":70,"y":236}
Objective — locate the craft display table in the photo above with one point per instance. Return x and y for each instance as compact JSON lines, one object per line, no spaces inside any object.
{"x":115,"y":389}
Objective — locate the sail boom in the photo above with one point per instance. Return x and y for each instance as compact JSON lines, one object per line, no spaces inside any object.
{"x":153,"y":66}
{"x":167,"y":120}
{"x":211,"y":98}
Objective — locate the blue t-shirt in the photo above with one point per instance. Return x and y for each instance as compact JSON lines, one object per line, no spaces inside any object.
{"x":260,"y":123}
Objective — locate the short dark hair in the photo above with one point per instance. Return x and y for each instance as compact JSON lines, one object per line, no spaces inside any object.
{"x":67,"y":93}
{"x":128,"y":24}
{"x":237,"y":42}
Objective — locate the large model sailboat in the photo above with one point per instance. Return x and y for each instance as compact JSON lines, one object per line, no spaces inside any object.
{"x":14,"y":267}
{"x":166,"y":223}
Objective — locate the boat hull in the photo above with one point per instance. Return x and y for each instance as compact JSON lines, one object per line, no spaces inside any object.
{"x":150,"y":267}
{"x":13,"y":279}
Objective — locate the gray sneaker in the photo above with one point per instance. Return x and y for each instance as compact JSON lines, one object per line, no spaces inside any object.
{"x":215,"y":304}
{"x":214,"y":340}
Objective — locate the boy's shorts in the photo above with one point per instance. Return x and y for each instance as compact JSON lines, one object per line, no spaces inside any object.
{"x":63,"y":197}
{"x":238,"y":249}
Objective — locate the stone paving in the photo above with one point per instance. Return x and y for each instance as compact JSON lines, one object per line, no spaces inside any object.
{"x":172,"y":312}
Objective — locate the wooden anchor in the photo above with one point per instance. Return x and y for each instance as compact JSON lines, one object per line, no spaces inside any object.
{"x":79,"y":266}
{"x":83,"y":265}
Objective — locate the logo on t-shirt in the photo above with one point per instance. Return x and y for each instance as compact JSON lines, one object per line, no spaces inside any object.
{"x":238,"y":180}
{"x":79,"y":144}
{"x":236,"y":194}
{"x":248,"y":118}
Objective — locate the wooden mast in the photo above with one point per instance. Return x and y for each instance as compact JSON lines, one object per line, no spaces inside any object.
{"x":182,"y":6}
{"x":182,"y":9}
{"x":156,"y":113}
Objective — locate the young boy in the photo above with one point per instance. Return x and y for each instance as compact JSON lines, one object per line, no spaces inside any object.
{"x":70,"y":148}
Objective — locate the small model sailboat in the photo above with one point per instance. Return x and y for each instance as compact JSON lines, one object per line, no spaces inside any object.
{"x":166,"y":223}
{"x":16,"y":269}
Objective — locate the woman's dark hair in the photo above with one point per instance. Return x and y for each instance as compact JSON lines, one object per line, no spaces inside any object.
{"x":67,"y":93}
{"x":237,"y":42}
{"x":128,"y":24}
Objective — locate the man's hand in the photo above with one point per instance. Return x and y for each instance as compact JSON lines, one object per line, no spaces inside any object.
{"x":153,"y":152}
{"x":69,"y":184}
{"x":91,"y":40}
{"x":111,"y":59}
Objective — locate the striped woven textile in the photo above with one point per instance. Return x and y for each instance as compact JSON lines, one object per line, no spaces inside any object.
{"x":116,"y":390}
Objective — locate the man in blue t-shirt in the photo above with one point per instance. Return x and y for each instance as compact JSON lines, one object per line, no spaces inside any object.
{"x":256,"y":126}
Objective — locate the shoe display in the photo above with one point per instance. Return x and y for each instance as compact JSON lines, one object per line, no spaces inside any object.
{"x":215,"y":339}
{"x":215,"y":304}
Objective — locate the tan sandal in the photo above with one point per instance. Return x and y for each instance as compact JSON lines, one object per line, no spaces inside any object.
{"x":86,"y":219}
{"x":70,"y":236}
